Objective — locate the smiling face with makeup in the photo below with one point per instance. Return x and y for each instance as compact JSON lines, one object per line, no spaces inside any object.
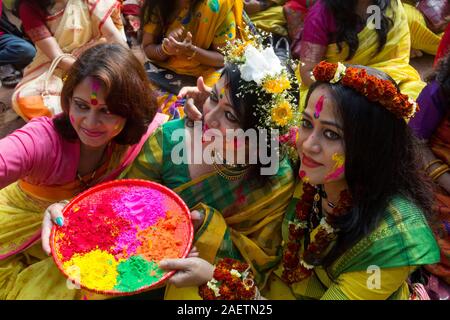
{"x":89,"y":115}
{"x":220,"y":115}
{"x":320,"y":144}
{"x":218,"y":111}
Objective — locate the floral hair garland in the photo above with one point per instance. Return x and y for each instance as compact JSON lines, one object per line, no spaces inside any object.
{"x":263,"y":73}
{"x":374,"y":89}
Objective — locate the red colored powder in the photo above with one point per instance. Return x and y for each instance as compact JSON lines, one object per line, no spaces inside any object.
{"x":159,"y":241}
{"x":86,"y":230}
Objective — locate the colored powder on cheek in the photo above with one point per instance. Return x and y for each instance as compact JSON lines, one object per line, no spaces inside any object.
{"x":96,"y":269}
{"x":136,"y":273}
{"x":159,"y":241}
{"x":72,"y":120}
{"x":135,"y":205}
{"x":86,"y":230}
{"x":302,"y":174}
{"x":319,"y":107}
{"x":338,"y":169}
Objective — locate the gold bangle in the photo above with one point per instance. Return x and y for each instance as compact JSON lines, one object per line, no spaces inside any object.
{"x":193,"y":55}
{"x":439,"y":174}
{"x":439,"y":171}
{"x":164,"y":49}
{"x":431,"y":163}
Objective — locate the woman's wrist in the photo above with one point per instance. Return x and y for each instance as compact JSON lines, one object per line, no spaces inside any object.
{"x":192,"y":52}
{"x":66,"y":63}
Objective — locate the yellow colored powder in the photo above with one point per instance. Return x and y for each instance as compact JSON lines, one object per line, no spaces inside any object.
{"x":96,"y":269}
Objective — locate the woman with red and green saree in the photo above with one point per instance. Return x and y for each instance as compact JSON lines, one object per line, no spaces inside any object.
{"x":239,"y":196}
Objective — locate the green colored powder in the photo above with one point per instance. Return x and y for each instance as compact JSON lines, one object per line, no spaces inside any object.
{"x":135,"y":273}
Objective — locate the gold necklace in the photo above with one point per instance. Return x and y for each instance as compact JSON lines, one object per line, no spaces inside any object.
{"x":86,"y":184}
{"x":229,"y":172}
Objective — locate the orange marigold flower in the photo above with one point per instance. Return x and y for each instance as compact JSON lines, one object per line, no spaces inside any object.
{"x":325,"y":71}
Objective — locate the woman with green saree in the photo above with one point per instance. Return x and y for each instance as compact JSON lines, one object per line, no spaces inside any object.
{"x":240,"y":209}
{"x":356,"y":227}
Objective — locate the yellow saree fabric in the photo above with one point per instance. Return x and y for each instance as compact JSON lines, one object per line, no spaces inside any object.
{"x":271,"y":20}
{"x":255,"y":239}
{"x":211,"y":23}
{"x":393,"y":59}
{"x":422,"y":38}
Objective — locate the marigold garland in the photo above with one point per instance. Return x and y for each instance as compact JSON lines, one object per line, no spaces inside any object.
{"x":232,"y":280}
{"x":299,"y":264}
{"x":376,"y":90}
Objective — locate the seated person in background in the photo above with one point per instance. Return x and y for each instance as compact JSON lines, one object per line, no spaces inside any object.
{"x":131,"y":10}
{"x":183,"y":38}
{"x":15,"y":52}
{"x":345,"y":30}
{"x":295,"y":12}
{"x":55,"y":30}
{"x":267,"y":15}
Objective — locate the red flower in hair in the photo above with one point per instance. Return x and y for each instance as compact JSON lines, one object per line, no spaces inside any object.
{"x":324,"y":71}
{"x":376,"y":90}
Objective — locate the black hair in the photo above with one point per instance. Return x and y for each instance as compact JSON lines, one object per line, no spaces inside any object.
{"x":347,"y":22}
{"x":382,"y":161}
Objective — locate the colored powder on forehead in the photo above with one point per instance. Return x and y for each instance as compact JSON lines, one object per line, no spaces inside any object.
{"x":143,"y":207}
{"x":319,"y":107}
{"x":96,"y":270}
{"x":95,"y":89}
{"x":86,"y":230}
{"x":159,"y":241}
{"x":136,"y":273}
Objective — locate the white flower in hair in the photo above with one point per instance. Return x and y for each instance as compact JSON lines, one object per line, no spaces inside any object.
{"x":260,"y":64}
{"x":340,"y":72}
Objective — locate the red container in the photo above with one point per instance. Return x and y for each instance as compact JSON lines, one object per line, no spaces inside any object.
{"x":126,"y":183}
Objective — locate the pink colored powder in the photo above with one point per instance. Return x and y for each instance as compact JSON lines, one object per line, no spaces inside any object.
{"x":142,"y":206}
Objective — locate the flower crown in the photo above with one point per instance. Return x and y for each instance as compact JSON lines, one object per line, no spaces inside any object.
{"x":264,"y":75}
{"x":373,"y":88}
